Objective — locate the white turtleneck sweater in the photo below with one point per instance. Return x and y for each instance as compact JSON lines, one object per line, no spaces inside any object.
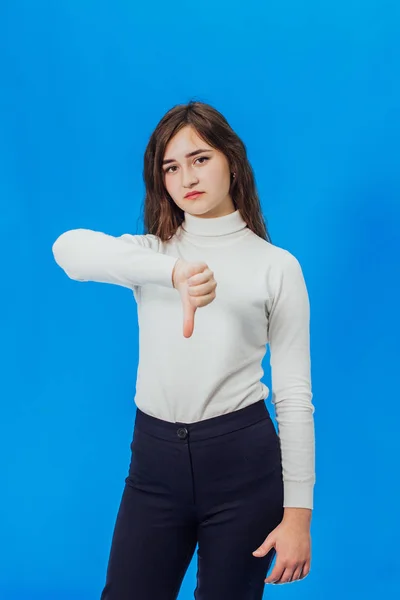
{"x":261,"y":299}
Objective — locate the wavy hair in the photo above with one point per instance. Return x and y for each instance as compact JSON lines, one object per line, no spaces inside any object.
{"x":162,"y":216}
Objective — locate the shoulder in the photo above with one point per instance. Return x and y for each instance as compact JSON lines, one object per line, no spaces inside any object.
{"x":279,"y":268}
{"x":273,"y":257}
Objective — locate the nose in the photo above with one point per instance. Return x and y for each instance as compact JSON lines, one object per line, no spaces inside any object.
{"x":189,"y":178}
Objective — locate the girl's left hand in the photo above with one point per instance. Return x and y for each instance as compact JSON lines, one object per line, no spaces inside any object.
{"x":292,"y":542}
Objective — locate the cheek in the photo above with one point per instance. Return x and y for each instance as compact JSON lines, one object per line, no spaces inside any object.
{"x":219,"y":177}
{"x":173,"y":188}
{"x":170,"y":186}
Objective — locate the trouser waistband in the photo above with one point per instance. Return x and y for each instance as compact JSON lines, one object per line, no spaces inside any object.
{"x":205,"y":429}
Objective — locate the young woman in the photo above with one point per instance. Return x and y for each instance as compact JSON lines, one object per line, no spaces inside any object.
{"x":207,"y":465}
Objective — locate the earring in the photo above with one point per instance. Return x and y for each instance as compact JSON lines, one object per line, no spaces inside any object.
{"x":233,"y":175}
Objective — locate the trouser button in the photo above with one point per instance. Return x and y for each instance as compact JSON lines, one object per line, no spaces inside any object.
{"x":182,"y":433}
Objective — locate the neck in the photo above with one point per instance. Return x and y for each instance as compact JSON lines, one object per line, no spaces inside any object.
{"x":231,"y":224}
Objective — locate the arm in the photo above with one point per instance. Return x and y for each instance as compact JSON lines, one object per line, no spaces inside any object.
{"x":289,"y":340}
{"x":128,"y":260}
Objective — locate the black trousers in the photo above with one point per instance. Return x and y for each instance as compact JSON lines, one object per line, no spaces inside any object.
{"x":216,"y":483}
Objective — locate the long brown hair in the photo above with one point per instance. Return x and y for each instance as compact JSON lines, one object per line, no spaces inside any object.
{"x":162,"y":216}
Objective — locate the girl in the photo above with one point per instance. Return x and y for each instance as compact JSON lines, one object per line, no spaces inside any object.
{"x":207,"y":465}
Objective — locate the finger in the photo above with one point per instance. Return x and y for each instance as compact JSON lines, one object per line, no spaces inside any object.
{"x":275,"y":574}
{"x":203,"y":289}
{"x":202,"y":300}
{"x":202,"y":277}
{"x":286,"y":577}
{"x":264,"y":548}
{"x":297,"y":573}
{"x":193,"y":269}
{"x":306,"y":569}
{"x":188,"y":317}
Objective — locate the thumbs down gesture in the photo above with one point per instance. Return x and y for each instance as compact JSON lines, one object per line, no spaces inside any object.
{"x":196,"y":285}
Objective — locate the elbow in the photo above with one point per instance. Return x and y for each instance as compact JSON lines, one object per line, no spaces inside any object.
{"x":66,"y":253}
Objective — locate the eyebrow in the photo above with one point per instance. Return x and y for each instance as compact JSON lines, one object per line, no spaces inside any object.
{"x":194,"y":153}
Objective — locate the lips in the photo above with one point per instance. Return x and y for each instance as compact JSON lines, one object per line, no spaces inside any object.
{"x":193,"y":195}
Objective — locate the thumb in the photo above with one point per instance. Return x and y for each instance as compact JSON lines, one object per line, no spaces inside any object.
{"x":265,"y":547}
{"x":188,"y":316}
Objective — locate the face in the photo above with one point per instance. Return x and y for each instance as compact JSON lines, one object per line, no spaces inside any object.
{"x":191,"y":165}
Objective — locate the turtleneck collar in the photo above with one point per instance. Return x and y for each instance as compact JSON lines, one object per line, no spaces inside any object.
{"x":215,"y":226}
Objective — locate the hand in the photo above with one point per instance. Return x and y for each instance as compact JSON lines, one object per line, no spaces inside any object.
{"x":292,"y":542}
{"x":196,"y":285}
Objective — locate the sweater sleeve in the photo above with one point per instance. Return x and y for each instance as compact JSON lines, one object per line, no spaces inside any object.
{"x":289,"y":341}
{"x":128,"y":260}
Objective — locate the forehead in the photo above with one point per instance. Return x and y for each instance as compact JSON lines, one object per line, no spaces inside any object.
{"x":186,"y":140}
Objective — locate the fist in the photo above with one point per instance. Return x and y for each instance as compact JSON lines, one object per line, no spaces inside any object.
{"x":196,"y":285}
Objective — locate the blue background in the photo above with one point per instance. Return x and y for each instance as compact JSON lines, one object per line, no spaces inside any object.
{"x":313,"y":89}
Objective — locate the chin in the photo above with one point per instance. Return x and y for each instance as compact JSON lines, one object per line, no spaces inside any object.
{"x":203,"y":207}
{"x":196,"y":207}
{"x":199,"y":211}
{"x":199,"y":207}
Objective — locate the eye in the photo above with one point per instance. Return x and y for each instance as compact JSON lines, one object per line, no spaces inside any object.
{"x":167,"y":170}
{"x":203,"y":158}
